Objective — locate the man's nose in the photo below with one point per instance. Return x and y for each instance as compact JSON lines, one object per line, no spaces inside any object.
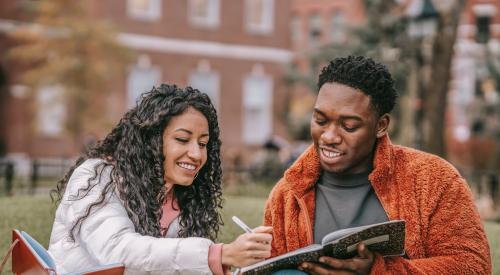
{"x":331,"y":135}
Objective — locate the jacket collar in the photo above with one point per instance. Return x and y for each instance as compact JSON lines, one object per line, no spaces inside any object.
{"x":303,"y":174}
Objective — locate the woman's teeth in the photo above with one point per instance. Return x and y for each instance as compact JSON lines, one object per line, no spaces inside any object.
{"x":187,"y":166}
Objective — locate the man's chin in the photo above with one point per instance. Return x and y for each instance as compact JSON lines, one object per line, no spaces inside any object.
{"x":337,"y":169}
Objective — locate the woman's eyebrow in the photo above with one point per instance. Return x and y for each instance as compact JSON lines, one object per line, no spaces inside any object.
{"x":183,"y":130}
{"x":189,"y":132}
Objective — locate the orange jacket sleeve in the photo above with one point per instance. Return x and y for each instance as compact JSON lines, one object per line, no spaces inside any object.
{"x":455,"y":240}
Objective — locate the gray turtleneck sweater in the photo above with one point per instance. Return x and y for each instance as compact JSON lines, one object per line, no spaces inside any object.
{"x":344,"y":201}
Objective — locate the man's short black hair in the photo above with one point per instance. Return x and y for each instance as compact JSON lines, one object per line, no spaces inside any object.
{"x":363,"y":73}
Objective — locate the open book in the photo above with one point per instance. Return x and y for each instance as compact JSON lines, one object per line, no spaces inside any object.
{"x":30,"y":257}
{"x":385,"y":238}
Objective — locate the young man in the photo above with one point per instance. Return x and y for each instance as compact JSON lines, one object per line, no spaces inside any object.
{"x":353,"y":175}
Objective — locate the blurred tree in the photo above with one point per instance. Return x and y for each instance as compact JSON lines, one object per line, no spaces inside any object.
{"x":66,"y":47}
{"x":384,"y":36}
{"x":435,"y":95}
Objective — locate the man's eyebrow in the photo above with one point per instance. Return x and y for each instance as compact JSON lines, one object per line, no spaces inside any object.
{"x":342,"y":117}
{"x":189,"y":132}
{"x":351,"y":117}
{"x":316,"y":110}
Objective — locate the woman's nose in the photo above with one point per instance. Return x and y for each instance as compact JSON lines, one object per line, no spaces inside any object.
{"x":194,"y":151}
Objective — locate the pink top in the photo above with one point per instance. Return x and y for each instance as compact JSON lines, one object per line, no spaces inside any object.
{"x":171,"y":212}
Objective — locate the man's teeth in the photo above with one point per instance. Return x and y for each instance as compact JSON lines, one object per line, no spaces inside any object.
{"x":187,"y":166}
{"x":331,"y":154}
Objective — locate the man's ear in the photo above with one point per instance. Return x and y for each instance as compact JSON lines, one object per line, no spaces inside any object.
{"x":383,"y":125}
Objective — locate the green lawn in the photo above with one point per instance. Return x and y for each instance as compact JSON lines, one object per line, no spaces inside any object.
{"x":34,"y":214}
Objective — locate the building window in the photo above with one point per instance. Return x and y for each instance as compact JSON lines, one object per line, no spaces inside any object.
{"x":259,"y":16}
{"x":257,"y":106}
{"x":148,"y":10}
{"x":337,"y":27}
{"x":207,"y":82}
{"x":51,"y":111}
{"x":314,"y":30}
{"x":484,"y":14}
{"x":483,"y":29}
{"x":141,"y":79}
{"x":204,"y":13}
{"x":296,"y":30}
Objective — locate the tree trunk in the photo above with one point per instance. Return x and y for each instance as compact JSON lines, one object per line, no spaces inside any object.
{"x":435,"y":97}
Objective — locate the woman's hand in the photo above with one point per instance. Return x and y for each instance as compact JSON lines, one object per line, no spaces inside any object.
{"x":248,"y":248}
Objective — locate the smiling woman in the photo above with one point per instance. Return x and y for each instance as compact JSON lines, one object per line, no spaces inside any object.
{"x":185,"y":140}
{"x":149,"y":194}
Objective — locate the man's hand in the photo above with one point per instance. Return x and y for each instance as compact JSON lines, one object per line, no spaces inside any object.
{"x":360,"y":264}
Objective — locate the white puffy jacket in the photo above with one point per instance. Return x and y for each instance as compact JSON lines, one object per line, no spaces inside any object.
{"x":107,"y":236}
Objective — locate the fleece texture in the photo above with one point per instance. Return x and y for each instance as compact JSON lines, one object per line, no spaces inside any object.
{"x":444,"y":234}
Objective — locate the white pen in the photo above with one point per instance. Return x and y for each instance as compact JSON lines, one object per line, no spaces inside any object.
{"x":247,"y":229}
{"x":241,"y":224}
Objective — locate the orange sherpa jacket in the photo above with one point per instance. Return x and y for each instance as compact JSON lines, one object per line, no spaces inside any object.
{"x":444,"y":234}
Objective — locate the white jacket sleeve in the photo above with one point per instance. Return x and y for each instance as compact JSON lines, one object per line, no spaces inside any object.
{"x":109,"y":236}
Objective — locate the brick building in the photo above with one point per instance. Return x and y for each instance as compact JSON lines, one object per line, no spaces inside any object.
{"x":236,"y":51}
{"x":233,"y":50}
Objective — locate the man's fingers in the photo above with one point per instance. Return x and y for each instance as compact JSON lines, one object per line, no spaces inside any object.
{"x":352,"y":265}
{"x":335,"y":263}
{"x":312,"y":268}
{"x":315,"y":268}
{"x":360,"y":264}
{"x":363,"y":251}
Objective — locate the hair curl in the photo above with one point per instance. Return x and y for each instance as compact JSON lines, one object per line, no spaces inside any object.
{"x":363,"y":73}
{"x":134,"y":150}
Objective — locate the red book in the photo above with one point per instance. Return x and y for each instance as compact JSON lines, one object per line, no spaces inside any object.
{"x":30,"y":257}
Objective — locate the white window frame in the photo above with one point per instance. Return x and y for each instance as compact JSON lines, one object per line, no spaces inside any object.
{"x":266,"y":26}
{"x":214,"y":92}
{"x":51,"y":111}
{"x":296,"y":29}
{"x":212,"y":20}
{"x":133,"y":91}
{"x":337,"y":28}
{"x":152,"y":14}
{"x":311,"y":22}
{"x":250,"y":134}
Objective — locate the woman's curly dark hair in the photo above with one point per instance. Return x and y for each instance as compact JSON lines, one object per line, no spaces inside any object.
{"x":134,"y":151}
{"x":363,"y":73}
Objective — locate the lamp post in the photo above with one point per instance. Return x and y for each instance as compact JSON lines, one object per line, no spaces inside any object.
{"x":422,"y":25}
